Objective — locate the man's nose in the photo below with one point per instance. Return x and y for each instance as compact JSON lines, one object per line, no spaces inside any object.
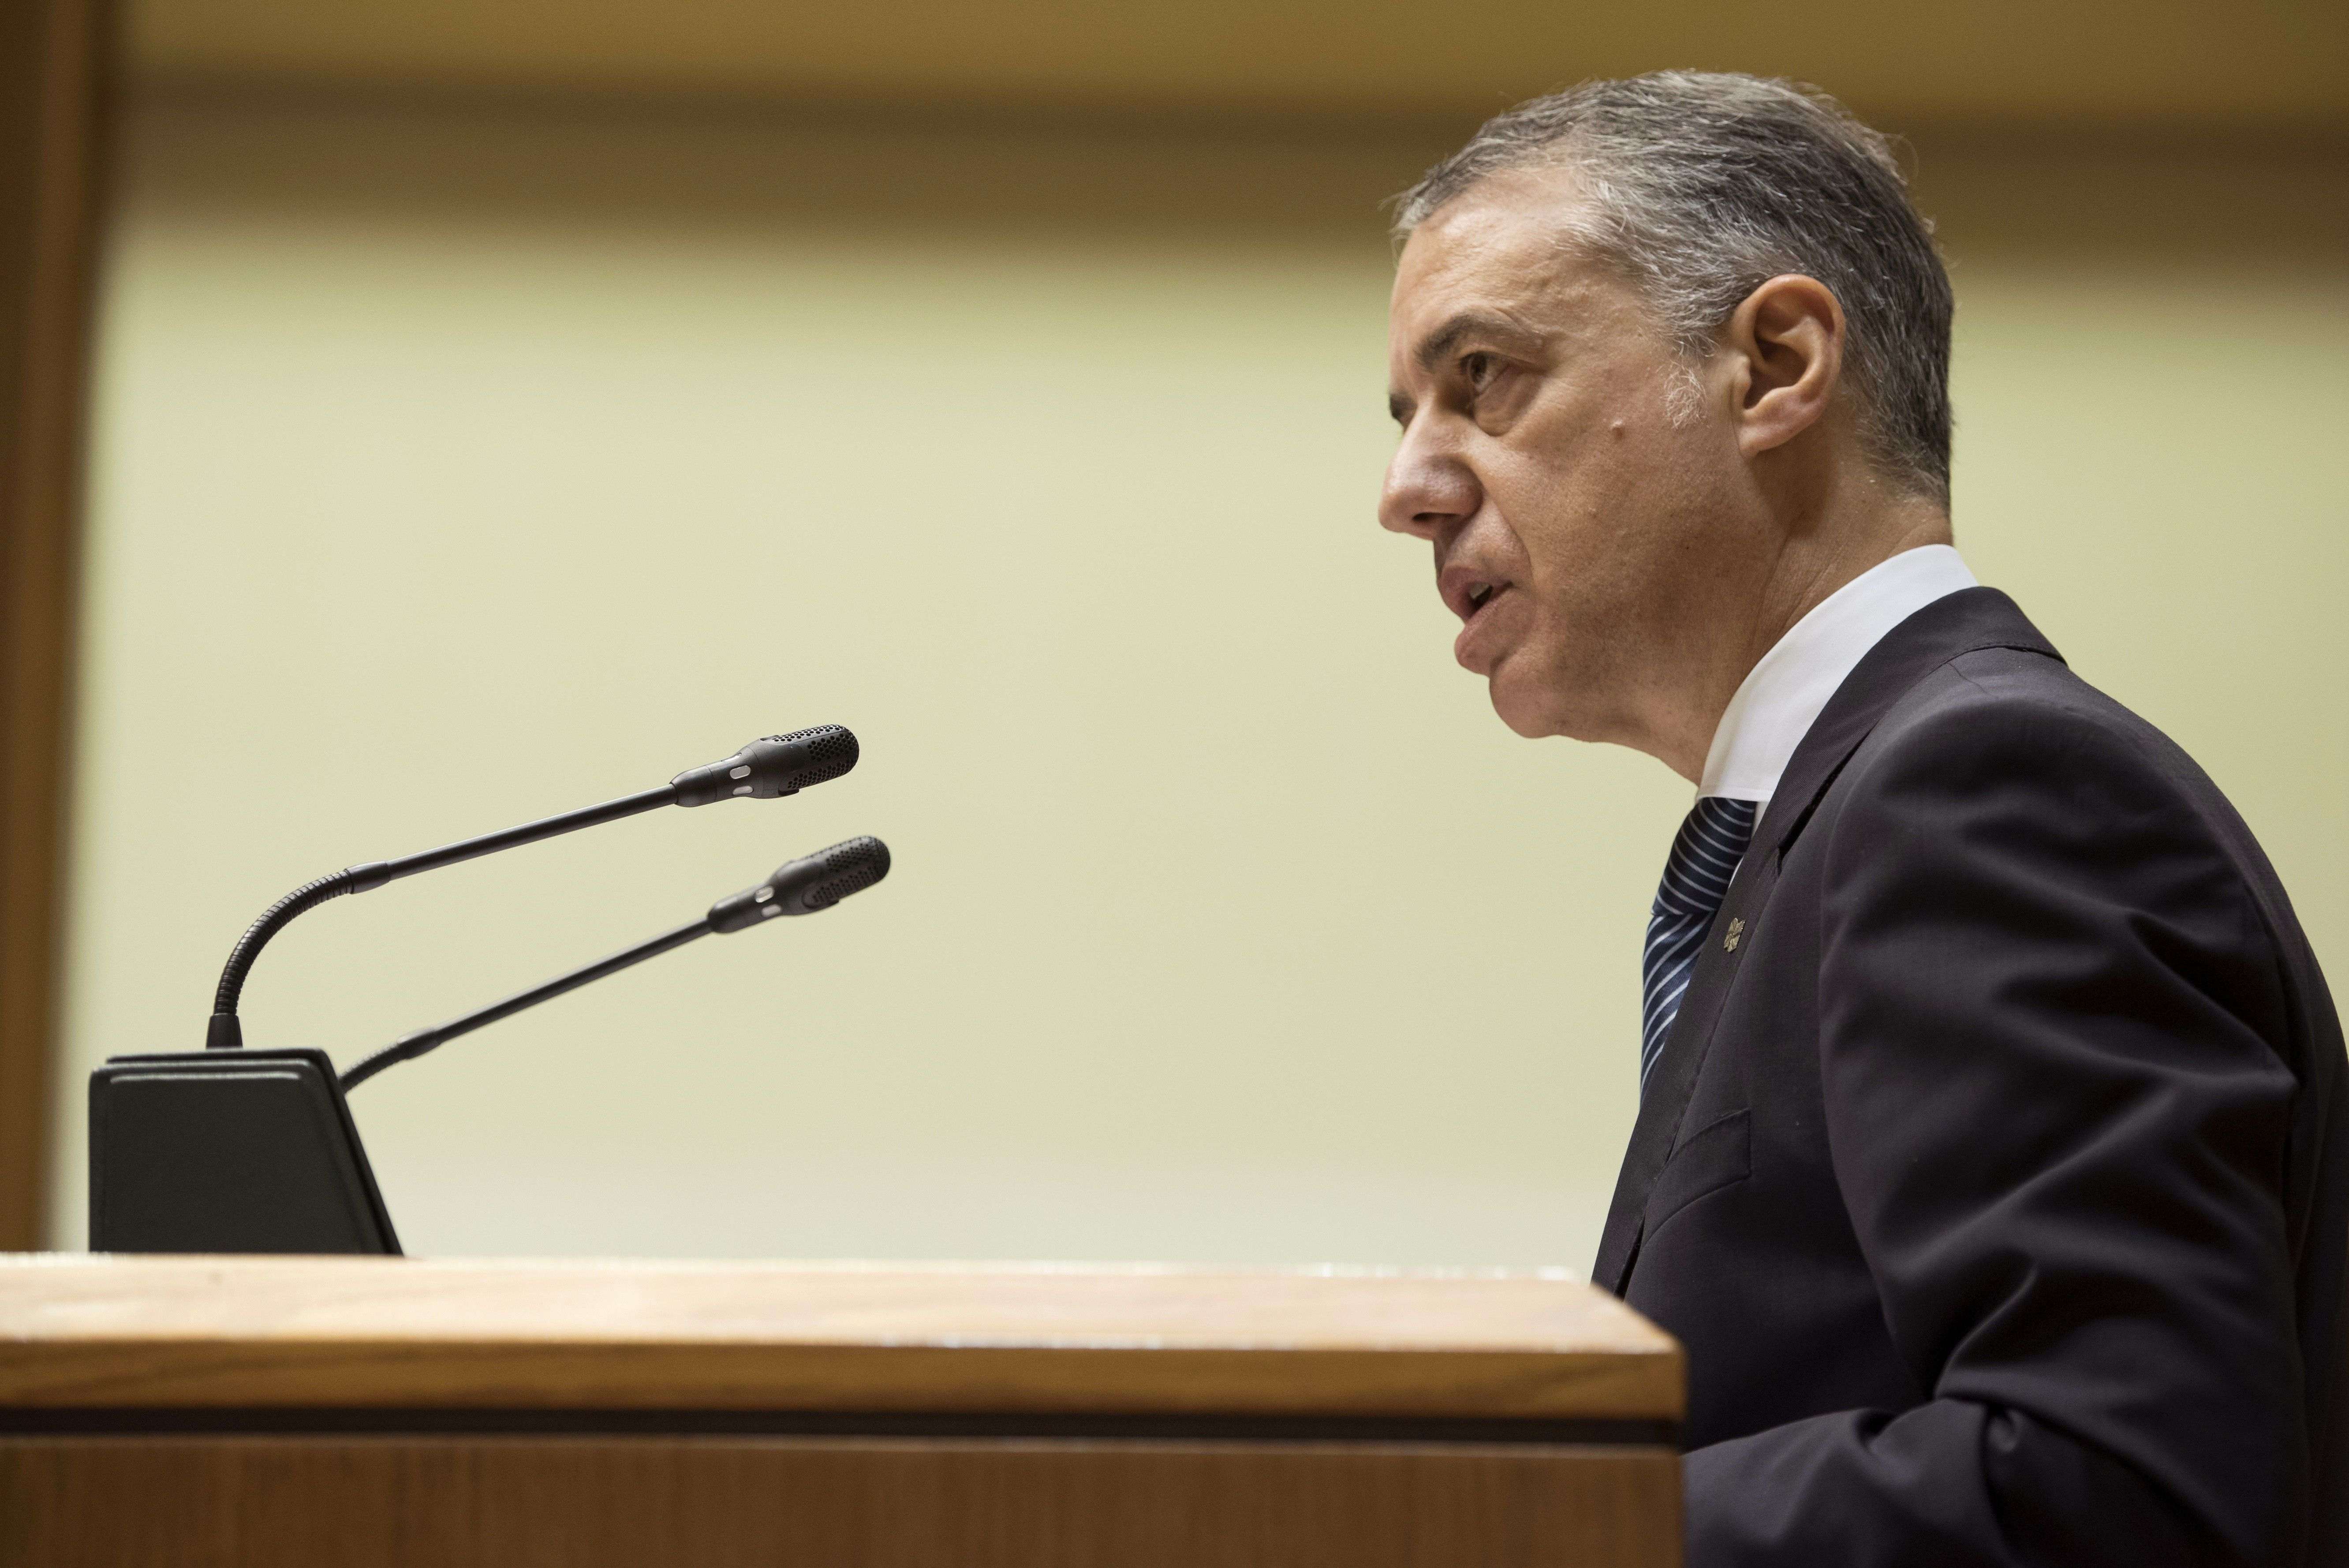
{"x":1427,"y":490}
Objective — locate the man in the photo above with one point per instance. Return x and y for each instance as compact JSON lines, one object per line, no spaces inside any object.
{"x":1992,"y":1155}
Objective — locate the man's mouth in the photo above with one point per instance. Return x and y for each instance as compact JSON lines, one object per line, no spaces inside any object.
{"x":1480,"y":597}
{"x":1474,"y":648}
{"x":1466,"y":594}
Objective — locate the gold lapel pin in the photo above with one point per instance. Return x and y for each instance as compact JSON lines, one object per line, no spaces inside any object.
{"x":1737,"y":930}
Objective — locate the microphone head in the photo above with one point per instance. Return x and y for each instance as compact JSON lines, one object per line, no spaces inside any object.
{"x":772,"y":766}
{"x":805,"y":885}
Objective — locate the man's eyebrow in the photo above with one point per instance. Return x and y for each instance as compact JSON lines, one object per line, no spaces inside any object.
{"x":1468,"y":323}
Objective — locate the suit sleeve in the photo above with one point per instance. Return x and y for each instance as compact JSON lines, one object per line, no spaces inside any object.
{"x":2058,"y":1122}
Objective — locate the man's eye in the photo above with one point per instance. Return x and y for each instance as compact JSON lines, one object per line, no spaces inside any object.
{"x":1477,"y":369}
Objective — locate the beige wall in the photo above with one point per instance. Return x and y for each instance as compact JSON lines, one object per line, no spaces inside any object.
{"x":461,"y":465}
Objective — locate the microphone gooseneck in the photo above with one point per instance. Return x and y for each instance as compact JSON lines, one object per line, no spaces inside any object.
{"x":410,"y":1046}
{"x":223,"y":1032}
{"x":766,"y":768}
{"x":804,"y":886}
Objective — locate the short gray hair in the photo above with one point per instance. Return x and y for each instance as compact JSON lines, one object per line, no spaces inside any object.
{"x":1704,"y":186}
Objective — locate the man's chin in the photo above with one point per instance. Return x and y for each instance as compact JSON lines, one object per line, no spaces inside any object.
{"x":1524,"y":705}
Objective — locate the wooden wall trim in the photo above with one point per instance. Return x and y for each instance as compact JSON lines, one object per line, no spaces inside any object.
{"x":53,"y":77}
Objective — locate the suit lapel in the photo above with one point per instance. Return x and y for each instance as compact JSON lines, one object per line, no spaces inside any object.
{"x":1959,"y":624}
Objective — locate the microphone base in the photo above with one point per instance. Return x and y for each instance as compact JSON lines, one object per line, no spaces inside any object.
{"x":229,"y":1151}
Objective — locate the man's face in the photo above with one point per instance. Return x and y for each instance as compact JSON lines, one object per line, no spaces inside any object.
{"x":1581,"y":531}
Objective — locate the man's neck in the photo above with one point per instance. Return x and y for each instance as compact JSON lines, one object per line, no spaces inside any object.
{"x":1808,"y":571}
{"x":1811,"y":564}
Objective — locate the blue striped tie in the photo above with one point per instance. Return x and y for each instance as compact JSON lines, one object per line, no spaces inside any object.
{"x":1704,"y":857}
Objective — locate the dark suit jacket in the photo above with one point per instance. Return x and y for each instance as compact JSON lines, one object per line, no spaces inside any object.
{"x":1995,"y":1173}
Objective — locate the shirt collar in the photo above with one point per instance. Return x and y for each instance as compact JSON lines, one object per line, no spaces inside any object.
{"x":1783,"y":694}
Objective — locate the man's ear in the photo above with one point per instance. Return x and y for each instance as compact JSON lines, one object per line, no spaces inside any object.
{"x":1787,"y":340}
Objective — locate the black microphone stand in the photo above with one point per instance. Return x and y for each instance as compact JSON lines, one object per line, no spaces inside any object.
{"x":255,"y":1152}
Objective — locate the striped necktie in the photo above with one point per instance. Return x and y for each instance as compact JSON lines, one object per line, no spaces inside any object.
{"x":1704,"y":857}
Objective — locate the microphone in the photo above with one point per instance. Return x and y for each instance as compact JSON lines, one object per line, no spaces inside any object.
{"x":802,"y":886}
{"x":805,"y":885}
{"x":765,"y":769}
{"x":778,"y":765}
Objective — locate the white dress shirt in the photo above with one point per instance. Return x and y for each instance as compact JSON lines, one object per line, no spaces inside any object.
{"x":1782,"y":695}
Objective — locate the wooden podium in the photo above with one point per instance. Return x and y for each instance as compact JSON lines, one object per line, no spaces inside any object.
{"x":267,"y":1412}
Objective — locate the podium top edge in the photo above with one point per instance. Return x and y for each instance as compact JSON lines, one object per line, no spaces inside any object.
{"x":96,"y":1332}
